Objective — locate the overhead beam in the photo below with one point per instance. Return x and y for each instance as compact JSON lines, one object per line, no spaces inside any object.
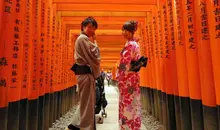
{"x":78,"y":22}
{"x":105,"y":14}
{"x":104,"y":18}
{"x":100,"y":32}
{"x":100,"y":26}
{"x":150,"y":2}
{"x":105,"y":7}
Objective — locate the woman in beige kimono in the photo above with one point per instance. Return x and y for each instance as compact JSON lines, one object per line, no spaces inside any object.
{"x":87,"y":57}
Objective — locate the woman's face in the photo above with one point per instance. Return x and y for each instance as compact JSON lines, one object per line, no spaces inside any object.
{"x":127,"y":34}
{"x":89,"y":29}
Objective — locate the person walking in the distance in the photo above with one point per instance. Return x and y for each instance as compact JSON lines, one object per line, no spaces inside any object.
{"x":109,"y":77}
{"x":87,"y":69}
{"x":128,"y":81}
{"x":103,"y":75}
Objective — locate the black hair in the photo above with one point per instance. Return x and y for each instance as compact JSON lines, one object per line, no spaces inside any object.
{"x":130,"y":26}
{"x":88,"y":20}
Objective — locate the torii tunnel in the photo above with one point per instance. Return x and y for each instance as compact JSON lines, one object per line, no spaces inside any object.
{"x":180,"y":86}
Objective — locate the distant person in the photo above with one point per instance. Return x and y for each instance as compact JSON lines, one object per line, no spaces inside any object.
{"x":103,"y":75}
{"x":109,"y":77}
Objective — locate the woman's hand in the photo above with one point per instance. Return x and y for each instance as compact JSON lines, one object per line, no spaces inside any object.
{"x":93,"y":38}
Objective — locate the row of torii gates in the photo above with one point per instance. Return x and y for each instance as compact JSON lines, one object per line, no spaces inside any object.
{"x":180,"y":85}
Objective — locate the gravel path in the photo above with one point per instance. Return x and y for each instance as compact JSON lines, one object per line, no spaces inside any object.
{"x":148,"y":121}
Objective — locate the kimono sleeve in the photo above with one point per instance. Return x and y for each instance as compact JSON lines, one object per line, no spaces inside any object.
{"x":126,"y":57}
{"x":91,"y":54}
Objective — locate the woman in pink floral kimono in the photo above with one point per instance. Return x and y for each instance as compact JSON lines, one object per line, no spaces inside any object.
{"x":128,"y":81}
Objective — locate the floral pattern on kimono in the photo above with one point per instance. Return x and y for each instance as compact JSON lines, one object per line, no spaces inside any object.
{"x":128,"y":83}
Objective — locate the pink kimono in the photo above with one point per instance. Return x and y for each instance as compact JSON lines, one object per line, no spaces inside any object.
{"x":128,"y":84}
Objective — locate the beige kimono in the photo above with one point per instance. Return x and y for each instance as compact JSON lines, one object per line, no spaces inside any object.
{"x":86,"y":53}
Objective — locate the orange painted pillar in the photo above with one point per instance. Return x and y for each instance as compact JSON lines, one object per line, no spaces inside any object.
{"x":58,"y":53}
{"x":15,"y":65}
{"x":71,"y":81}
{"x":42,"y":49}
{"x":63,"y":66}
{"x":48,"y":73}
{"x":26,"y":66}
{"x":149,"y":66}
{"x":5,"y":25}
{"x":169,"y":64}
{"x":147,"y":54}
{"x":160,"y":55}
{"x":148,"y":69}
{"x":153,"y":57}
{"x":156,"y":37}
{"x":1,"y":16}
{"x":151,"y":62}
{"x":141,"y":44}
{"x":171,"y":80}
{"x":182,"y":77}
{"x":10,"y":61}
{"x":191,"y":39}
{"x":57,"y":65}
{"x":163,"y":62}
{"x":33,"y":92}
{"x":205,"y":66}
{"x":42,"y":58}
{"x":213,"y":10}
{"x":49,"y":20}
{"x":46,"y":56}
{"x":53,"y":65}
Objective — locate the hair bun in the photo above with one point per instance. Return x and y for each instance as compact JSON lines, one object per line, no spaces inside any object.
{"x":135,"y":24}
{"x":130,"y":25}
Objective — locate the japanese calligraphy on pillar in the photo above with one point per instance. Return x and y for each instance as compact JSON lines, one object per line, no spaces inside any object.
{"x":179,"y":19}
{"x":42,"y":45}
{"x":2,"y":83}
{"x":8,"y":6}
{"x":35,"y":43}
{"x":167,"y":52}
{"x":191,"y":27}
{"x":170,"y":12}
{"x":63,"y":53}
{"x":143,"y":34}
{"x":4,"y":58}
{"x":26,"y":45}
{"x":204,"y":21}
{"x":151,"y":38}
{"x":160,"y":35}
{"x":148,"y":42}
{"x":139,"y":34}
{"x":156,"y":37}
{"x":3,"y":61}
{"x":16,"y":46}
{"x":217,"y":18}
{"x":52,"y":70}
{"x":48,"y":44}
{"x":57,"y":59}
